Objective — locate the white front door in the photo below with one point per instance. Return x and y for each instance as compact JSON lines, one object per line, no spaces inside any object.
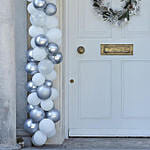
{"x":110,"y":95}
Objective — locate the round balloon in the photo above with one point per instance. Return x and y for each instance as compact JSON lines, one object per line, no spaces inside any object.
{"x":33,"y":43}
{"x":31,"y":9}
{"x":31,"y":87}
{"x":51,"y":22}
{"x":41,"y":40}
{"x":38,"y":79}
{"x":30,"y":55}
{"x":34,"y":31}
{"x":39,"y":138}
{"x":47,"y":105}
{"x":31,"y":68}
{"x":44,"y":92}
{"x":30,"y":127}
{"x":56,"y":58}
{"x":51,"y":76}
{"x":33,"y":99}
{"x":54,"y":115}
{"x":48,"y":83}
{"x":45,"y":66}
{"x":37,"y":114}
{"x":54,"y":94}
{"x":39,"y":4}
{"x":30,"y":107}
{"x":50,"y":9}
{"x":52,"y":48}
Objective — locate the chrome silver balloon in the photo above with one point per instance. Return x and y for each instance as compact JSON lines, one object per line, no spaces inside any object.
{"x":52,"y":48}
{"x":50,"y":9}
{"x":54,"y":115}
{"x":56,"y":58}
{"x":37,"y":114}
{"x":39,"y":4}
{"x":48,"y":83}
{"x":31,"y":68}
{"x":30,"y":127}
{"x":30,"y":107}
{"x":31,"y":87}
{"x":44,"y":92}
{"x":41,"y":40}
{"x":30,"y":55}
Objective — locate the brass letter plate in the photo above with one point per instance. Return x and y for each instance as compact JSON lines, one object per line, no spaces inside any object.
{"x":116,"y":49}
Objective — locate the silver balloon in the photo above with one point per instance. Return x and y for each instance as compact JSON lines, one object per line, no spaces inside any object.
{"x":52,"y":48}
{"x":54,"y":115}
{"x":50,"y":9}
{"x":44,"y":92}
{"x":30,"y":55}
{"x":37,"y":114}
{"x":48,"y":83}
{"x":39,"y":4}
{"x":31,"y":87}
{"x":41,"y":40}
{"x":31,"y":68}
{"x":30,"y":127}
{"x":56,"y":58}
{"x":30,"y":107}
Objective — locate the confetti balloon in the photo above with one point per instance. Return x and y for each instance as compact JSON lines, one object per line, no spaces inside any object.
{"x":52,"y":48}
{"x":30,"y":127}
{"x":31,"y":87}
{"x":50,"y":9}
{"x":31,"y":68}
{"x":47,"y":105}
{"x":41,"y":40}
{"x":56,"y":58}
{"x":39,"y":4}
{"x":38,"y":79}
{"x":33,"y":99}
{"x":37,"y":114}
{"x":44,"y":92}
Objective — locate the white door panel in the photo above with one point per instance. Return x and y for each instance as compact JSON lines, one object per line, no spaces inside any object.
{"x":110,"y":95}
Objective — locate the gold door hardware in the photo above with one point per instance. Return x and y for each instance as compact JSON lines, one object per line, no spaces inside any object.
{"x":71,"y":81}
{"x":81,"y":50}
{"x":116,"y":49}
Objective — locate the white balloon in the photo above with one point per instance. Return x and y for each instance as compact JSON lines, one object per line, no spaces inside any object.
{"x":51,"y":22}
{"x":33,"y":99}
{"x":38,"y":79}
{"x":39,"y":138}
{"x":52,"y":76}
{"x":55,"y":35}
{"x":55,"y":94}
{"x":45,"y":66}
{"x":33,"y":43}
{"x":53,"y":133}
{"x":39,"y":53}
{"x":32,"y":10}
{"x":47,"y":105}
{"x":47,"y":126}
{"x":34,"y":31}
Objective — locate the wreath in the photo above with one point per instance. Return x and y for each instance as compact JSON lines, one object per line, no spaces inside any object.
{"x":129,"y":8}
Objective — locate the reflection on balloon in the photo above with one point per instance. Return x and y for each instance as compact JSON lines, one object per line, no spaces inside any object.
{"x":41,"y":40}
{"x":31,"y":87}
{"x":56,"y":58}
{"x":52,"y":48}
{"x":31,"y":68}
{"x":39,"y":4}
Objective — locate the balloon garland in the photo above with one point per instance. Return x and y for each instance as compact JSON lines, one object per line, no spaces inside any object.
{"x":129,"y":8}
{"x":44,"y":54}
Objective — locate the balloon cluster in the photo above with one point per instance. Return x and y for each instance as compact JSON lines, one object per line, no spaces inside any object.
{"x":43,"y":55}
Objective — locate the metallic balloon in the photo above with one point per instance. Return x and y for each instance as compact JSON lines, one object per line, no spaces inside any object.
{"x":54,"y":115}
{"x":48,"y":83}
{"x":44,"y":92}
{"x":31,"y":68}
{"x":30,"y":127}
{"x":56,"y":58}
{"x":41,"y":40}
{"x":39,"y":4}
{"x":31,"y":87}
{"x":30,"y":55}
{"x":30,"y":107}
{"x":52,"y":48}
{"x":50,"y":9}
{"x":37,"y":114}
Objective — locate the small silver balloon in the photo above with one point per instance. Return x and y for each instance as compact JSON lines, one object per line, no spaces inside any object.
{"x":30,"y":107}
{"x":39,"y":4}
{"x":54,"y":115}
{"x":30,"y":127}
{"x":31,"y":87}
{"x":41,"y":40}
{"x":37,"y":114}
{"x":52,"y":48}
{"x":50,"y":9}
{"x":31,"y":68}
{"x":43,"y":92}
{"x":30,"y":55}
{"x":48,"y":83}
{"x":56,"y":58}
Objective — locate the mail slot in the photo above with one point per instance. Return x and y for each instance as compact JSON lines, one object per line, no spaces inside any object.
{"x":116,"y":49}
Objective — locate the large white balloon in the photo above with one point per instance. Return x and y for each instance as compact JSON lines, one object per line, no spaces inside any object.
{"x":47,"y":105}
{"x":54,"y":94}
{"x":45,"y":66}
{"x":33,"y":43}
{"x":51,"y":22}
{"x":39,"y":138}
{"x":34,"y":31}
{"x":51,"y":76}
{"x":33,"y":99}
{"x":47,"y":126}
{"x":55,"y":35}
{"x":38,"y":79}
{"x":39,"y":53}
{"x":32,"y":10}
